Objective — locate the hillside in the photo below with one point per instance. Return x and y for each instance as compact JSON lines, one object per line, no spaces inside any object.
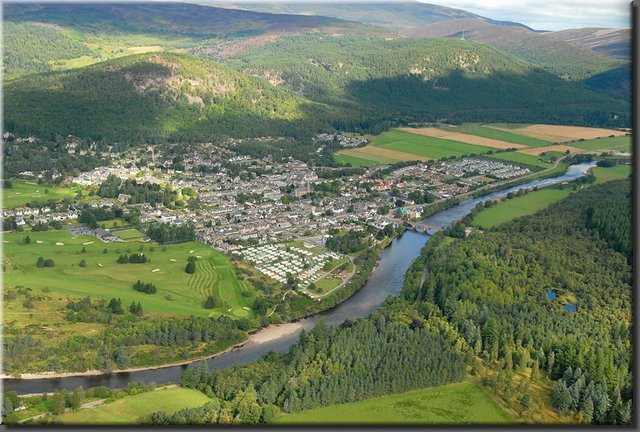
{"x":422,"y":79}
{"x":40,"y":37}
{"x":296,"y":85}
{"x":153,"y":96}
{"x":400,"y":16}
{"x":612,"y":42}
{"x":562,"y":57}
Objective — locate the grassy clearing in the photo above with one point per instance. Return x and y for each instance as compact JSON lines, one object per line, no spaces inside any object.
{"x":355,"y":161}
{"x":460,"y":403}
{"x":178,"y":292}
{"x":130,"y":408}
{"x":519,"y":206}
{"x":429,"y":147}
{"x":22,"y":192}
{"x":535,"y":201}
{"x":604,"y":143}
{"x":513,"y":137}
{"x":612,"y":173}
{"x":521,"y":158}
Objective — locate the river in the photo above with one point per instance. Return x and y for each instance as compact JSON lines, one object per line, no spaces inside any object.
{"x":387,"y":279}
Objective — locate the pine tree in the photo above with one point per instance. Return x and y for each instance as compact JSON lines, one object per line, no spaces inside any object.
{"x":40,"y":262}
{"x":82,"y":263}
{"x":191,"y":267}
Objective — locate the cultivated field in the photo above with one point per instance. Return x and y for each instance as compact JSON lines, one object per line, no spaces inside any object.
{"x":555,"y":133}
{"x":381,"y":155}
{"x":535,"y":201}
{"x":130,"y":408}
{"x":22,"y":192}
{"x":561,"y":148}
{"x":509,"y":135}
{"x":462,"y":137}
{"x":622,"y":143}
{"x":460,"y":403}
{"x":354,"y":161}
{"x":178,"y":292}
{"x":520,"y":206}
{"x":428,"y":147}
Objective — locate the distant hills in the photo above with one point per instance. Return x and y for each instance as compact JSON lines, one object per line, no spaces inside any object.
{"x":405,"y":17}
{"x":148,"y":72}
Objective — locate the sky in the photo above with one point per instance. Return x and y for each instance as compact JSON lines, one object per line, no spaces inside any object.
{"x":550,"y":14}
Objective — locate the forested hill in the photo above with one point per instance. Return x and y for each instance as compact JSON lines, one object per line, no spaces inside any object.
{"x":298,"y":85}
{"x":151,"y":97}
{"x":420,"y":79}
{"x":493,"y":287}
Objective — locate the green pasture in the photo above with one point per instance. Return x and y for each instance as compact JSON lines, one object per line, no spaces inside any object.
{"x":178,"y":292}
{"x":355,"y":161}
{"x":519,"y":206}
{"x":23,"y":191}
{"x":535,"y":201}
{"x":611,"y":173}
{"x":621,"y":143}
{"x":130,"y":408}
{"x":512,"y":137}
{"x":129,"y":234}
{"x":434,"y":148}
{"x":460,"y":403}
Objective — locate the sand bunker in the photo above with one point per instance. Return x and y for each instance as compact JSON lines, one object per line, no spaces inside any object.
{"x":172,"y":260}
{"x":245,"y":308}
{"x":191,"y":251}
{"x":59,"y":244}
{"x":199,"y":256}
{"x":100,"y":265}
{"x":155,"y":270}
{"x":39,"y":241}
{"x":87,"y":243}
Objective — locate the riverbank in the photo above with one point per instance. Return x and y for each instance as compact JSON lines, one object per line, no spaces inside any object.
{"x":387,"y":279}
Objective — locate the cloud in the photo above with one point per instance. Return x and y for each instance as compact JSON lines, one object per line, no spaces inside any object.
{"x":550,"y":14}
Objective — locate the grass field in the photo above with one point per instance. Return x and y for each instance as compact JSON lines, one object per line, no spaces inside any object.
{"x":613,"y":173}
{"x":433,"y":148}
{"x":178,"y":292}
{"x":559,"y":133}
{"x":454,"y":135}
{"x":502,"y":135}
{"x":519,"y":206}
{"x":460,"y":403}
{"x":355,"y":161}
{"x":129,"y":234}
{"x":623,"y":142}
{"x":130,"y":408}
{"x":521,"y":158}
{"x":537,"y":200}
{"x":22,"y":192}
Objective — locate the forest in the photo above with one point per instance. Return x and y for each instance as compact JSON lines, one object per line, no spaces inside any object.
{"x":493,"y":288}
{"x":483,"y":304}
{"x":357,"y":360}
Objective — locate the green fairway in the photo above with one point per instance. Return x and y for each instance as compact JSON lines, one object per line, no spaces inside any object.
{"x":22,"y":192}
{"x":622,"y":143}
{"x":520,"y":206}
{"x":488,"y":132}
{"x":355,"y":161}
{"x":178,"y":292}
{"x":460,"y":403}
{"x":434,"y":148}
{"x":130,"y":408}
{"x":612,"y":173}
{"x":521,"y":158}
